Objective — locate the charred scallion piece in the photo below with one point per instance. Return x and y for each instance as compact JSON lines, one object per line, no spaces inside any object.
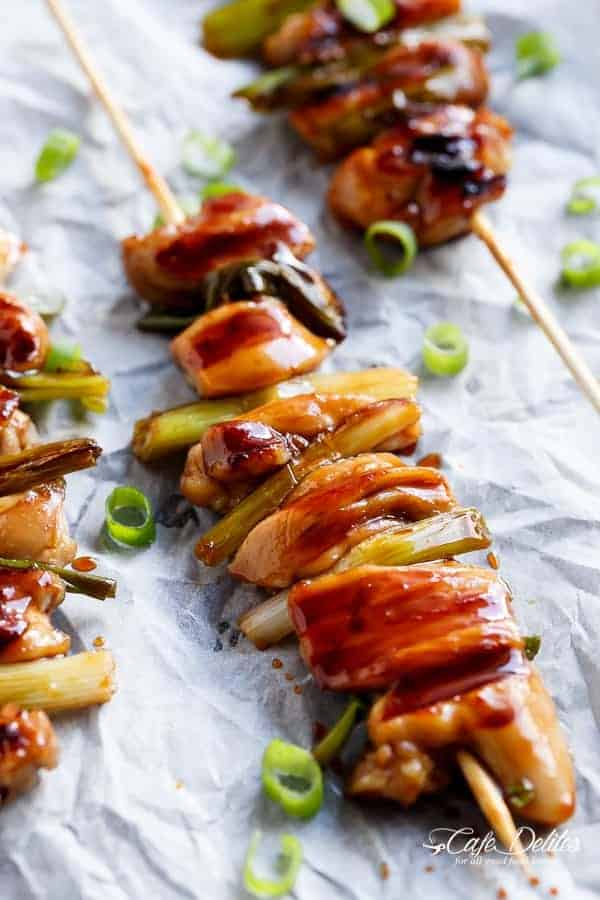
{"x":76,"y":582}
{"x":308,"y":296}
{"x":164,"y":323}
{"x":61,"y":683}
{"x":45,"y":462}
{"x":240,"y":27}
{"x":439,"y":537}
{"x":83,"y":384}
{"x":363,"y":431}
{"x":165,"y":433}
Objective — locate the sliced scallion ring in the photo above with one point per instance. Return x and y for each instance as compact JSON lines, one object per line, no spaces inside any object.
{"x":289,"y":862}
{"x":581,"y":264}
{"x":63,"y":357}
{"x":219,"y":189}
{"x":536,"y":53}
{"x":585,"y":197}
{"x":445,"y":349}
{"x":292,"y":778}
{"x":129,"y":519}
{"x":58,"y":152}
{"x":383,"y":235}
{"x":206,"y":155}
{"x":367,"y":15}
{"x":331,"y":745}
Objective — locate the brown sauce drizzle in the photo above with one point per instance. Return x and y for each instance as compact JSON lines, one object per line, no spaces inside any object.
{"x":247,"y":326}
{"x":84,"y":564}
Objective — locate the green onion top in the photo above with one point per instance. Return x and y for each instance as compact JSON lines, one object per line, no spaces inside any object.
{"x":219,"y":189}
{"x":531,"y":646}
{"x":395,"y":236}
{"x":581,"y":264}
{"x":57,"y":154}
{"x":288,"y":865}
{"x":367,"y":15}
{"x":585,"y":196}
{"x":536,"y":53}
{"x":331,"y":745}
{"x":445,"y":349}
{"x":521,"y":793}
{"x":129,"y":519}
{"x":292,"y":778}
{"x":63,"y":357}
{"x":206,"y":156}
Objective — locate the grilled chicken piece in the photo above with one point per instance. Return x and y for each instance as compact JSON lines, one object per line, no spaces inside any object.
{"x":168,"y":265}
{"x":24,"y":339}
{"x":33,"y":525}
{"x":351,"y":115}
{"x":223,"y":467}
{"x":334,"y":508}
{"x":322,"y":34}
{"x":27,"y":597}
{"x":433,"y":172}
{"x":244,"y":346}
{"x":27,"y":743}
{"x":17,"y":431}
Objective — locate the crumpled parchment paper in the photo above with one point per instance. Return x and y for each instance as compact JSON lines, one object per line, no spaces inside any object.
{"x":158,"y":792}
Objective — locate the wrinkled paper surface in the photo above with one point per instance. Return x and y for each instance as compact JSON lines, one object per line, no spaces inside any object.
{"x":157,"y":793}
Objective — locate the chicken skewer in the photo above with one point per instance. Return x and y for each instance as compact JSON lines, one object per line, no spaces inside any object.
{"x":321,"y":35}
{"x":170,"y":209}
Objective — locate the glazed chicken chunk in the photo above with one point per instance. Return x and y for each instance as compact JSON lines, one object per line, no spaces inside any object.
{"x":433,"y":172}
{"x":33,"y":525}
{"x":17,"y":431}
{"x":27,"y":597}
{"x":322,"y":34}
{"x":24,"y":339}
{"x":27,"y":743}
{"x":334,"y":508}
{"x":168,"y":266}
{"x":352,"y":114}
{"x":232,"y":455}
{"x":442,"y":640}
{"x":243,"y":346}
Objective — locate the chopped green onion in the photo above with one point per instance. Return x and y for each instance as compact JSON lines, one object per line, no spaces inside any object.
{"x":521,"y":793}
{"x":206,"y":156}
{"x":531,"y":646}
{"x":536,"y":53}
{"x":367,"y":15}
{"x":397,"y":233}
{"x":289,"y":862}
{"x":445,"y":349}
{"x":129,"y":519}
{"x":292,"y":778}
{"x":585,"y":196}
{"x":581,"y":264}
{"x":219,"y":189}
{"x":189,"y":205}
{"x":331,"y":745}
{"x":63,"y":358}
{"x":56,"y":155}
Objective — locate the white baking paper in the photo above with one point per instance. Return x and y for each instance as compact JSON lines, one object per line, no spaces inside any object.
{"x":158,"y":792}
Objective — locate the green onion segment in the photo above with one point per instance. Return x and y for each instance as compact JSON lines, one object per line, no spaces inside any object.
{"x":581,"y":264}
{"x":63,"y":357}
{"x":585,"y":196}
{"x":445,"y":349}
{"x":57,"y":154}
{"x":289,"y":862}
{"x":219,"y":189}
{"x":206,"y":156}
{"x":521,"y":793}
{"x":331,"y":745}
{"x":292,"y":778}
{"x":391,"y":233}
{"x":536,"y":53}
{"x":531,"y":646}
{"x":367,"y":15}
{"x":129,"y":519}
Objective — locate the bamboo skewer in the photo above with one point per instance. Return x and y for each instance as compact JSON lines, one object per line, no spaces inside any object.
{"x":486,"y":792}
{"x":540,"y":311}
{"x":170,"y":209}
